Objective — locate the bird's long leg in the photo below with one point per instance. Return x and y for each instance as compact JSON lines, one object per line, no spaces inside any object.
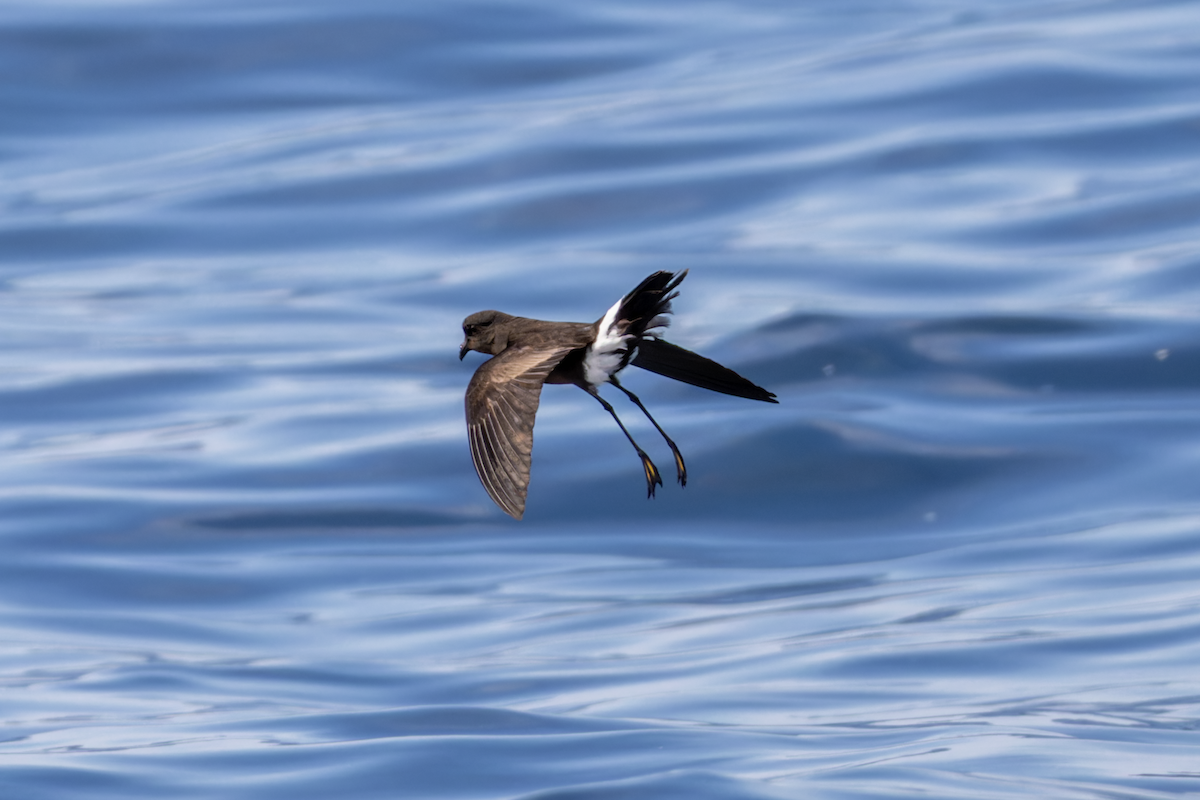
{"x":652,"y":476}
{"x":680,"y":468}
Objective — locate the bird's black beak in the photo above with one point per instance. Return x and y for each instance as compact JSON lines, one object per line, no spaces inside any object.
{"x":462,"y":351}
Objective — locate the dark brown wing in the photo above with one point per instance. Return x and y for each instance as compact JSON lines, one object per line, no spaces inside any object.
{"x":672,"y":361}
{"x":502,"y":401}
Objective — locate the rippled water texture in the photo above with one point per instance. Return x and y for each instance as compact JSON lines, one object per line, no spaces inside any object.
{"x":245,"y":554}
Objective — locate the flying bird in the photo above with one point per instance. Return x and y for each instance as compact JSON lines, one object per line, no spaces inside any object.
{"x":502,"y":398}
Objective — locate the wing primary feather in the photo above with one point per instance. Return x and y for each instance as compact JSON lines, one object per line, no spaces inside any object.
{"x":672,"y":361}
{"x":499,"y":467}
{"x":507,"y":465}
{"x":501,"y":405}
{"x":483,"y":463}
{"x":493,"y":480}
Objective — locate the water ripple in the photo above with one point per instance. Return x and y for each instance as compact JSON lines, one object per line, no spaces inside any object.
{"x":243,"y":538}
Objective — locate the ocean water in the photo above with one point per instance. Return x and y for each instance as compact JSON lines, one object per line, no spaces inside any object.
{"x":245,"y":554}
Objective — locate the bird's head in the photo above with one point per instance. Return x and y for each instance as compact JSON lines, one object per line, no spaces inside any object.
{"x":482,"y":331}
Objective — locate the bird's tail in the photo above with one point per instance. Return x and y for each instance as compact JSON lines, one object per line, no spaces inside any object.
{"x":646,"y":307}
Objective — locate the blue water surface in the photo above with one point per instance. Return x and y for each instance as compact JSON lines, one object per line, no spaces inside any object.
{"x":245,"y":554}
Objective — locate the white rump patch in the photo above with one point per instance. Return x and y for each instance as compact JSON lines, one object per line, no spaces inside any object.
{"x":604,"y":355}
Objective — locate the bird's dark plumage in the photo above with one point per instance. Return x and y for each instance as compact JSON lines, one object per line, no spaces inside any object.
{"x":502,"y":398}
{"x":502,"y":401}
{"x":672,"y":361}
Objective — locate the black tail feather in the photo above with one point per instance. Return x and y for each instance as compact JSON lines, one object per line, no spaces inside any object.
{"x":672,"y":361}
{"x":649,"y":301}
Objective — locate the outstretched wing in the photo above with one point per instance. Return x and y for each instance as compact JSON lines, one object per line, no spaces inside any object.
{"x":502,"y":401}
{"x":672,"y":361}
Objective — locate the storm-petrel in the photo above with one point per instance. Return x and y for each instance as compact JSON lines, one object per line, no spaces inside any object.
{"x":502,"y":398}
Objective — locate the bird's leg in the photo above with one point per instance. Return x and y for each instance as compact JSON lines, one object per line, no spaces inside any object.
{"x":652,"y":476}
{"x":680,"y":469}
